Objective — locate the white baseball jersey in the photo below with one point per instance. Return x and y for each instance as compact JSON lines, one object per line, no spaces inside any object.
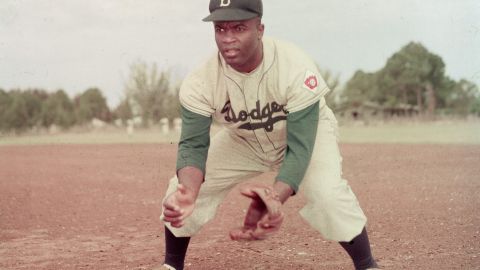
{"x":253,"y":105}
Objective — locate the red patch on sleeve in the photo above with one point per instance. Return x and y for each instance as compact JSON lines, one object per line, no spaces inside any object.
{"x":311,"y":82}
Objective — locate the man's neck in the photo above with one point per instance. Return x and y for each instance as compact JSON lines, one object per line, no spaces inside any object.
{"x":255,"y":61}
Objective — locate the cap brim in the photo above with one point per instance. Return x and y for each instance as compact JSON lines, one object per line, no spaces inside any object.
{"x":230,"y":14}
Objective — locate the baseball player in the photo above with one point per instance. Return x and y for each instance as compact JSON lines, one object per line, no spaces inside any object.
{"x":269,"y":97}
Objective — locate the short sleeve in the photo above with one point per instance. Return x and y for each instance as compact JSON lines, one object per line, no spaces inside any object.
{"x":196,"y":95}
{"x":306,"y":89}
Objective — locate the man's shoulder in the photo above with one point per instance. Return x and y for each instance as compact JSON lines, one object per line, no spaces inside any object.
{"x":289,"y":55}
{"x":287,"y":48}
{"x":205,"y":70}
{"x":208,"y":64}
{"x":197,"y":89}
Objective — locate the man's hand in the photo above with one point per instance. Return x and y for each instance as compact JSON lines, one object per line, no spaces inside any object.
{"x":264,"y":216}
{"x":178,"y":206}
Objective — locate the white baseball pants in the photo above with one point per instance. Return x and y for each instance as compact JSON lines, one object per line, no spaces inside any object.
{"x":331,"y":208}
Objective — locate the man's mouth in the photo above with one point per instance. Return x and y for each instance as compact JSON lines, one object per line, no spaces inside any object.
{"x":231,"y":53}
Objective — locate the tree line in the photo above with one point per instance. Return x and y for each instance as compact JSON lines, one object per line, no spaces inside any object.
{"x":412,"y":76}
{"x":22,"y":110}
{"x":149,"y":95}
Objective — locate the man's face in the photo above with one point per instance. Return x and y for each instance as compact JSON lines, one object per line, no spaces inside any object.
{"x":240,"y":43}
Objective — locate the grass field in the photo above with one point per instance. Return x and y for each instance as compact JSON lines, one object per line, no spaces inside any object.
{"x":465,"y":132}
{"x":418,"y":133}
{"x":94,"y":137}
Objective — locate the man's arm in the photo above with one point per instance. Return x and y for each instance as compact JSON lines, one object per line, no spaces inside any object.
{"x":191,"y":160}
{"x":194,"y":140}
{"x":301,"y":134}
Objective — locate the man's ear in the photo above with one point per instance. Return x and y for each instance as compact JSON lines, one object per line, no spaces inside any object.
{"x":261,"y":30}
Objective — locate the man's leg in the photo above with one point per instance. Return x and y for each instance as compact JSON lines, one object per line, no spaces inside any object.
{"x":332,"y":207}
{"x":359,"y":251}
{"x":222,"y":174}
{"x":175,"y":250}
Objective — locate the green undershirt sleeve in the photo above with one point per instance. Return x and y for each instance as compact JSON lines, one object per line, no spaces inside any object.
{"x":301,"y":133}
{"x":194,"y":140}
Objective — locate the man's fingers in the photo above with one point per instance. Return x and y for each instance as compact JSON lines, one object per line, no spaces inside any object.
{"x":173,"y":216}
{"x":264,"y":228}
{"x":178,"y":206}
{"x":268,"y":221}
{"x":241,"y":234}
{"x":267,"y":226}
{"x":275,"y":217}
{"x":171,"y":206}
{"x":248,"y":193}
{"x":177,"y":224}
{"x":270,"y":198}
{"x":171,"y":213}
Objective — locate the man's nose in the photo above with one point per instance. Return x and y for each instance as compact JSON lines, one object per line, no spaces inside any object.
{"x":228,"y":37}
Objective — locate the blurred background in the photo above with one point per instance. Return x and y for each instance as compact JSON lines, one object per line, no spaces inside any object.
{"x":399,"y":70}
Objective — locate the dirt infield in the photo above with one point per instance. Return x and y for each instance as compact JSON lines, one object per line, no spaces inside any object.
{"x":97,"y":207}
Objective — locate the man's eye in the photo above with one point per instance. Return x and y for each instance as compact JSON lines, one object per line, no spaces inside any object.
{"x":218,"y":29}
{"x":240,"y":29}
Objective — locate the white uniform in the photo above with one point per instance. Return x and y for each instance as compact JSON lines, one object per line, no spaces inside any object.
{"x":253,"y":108}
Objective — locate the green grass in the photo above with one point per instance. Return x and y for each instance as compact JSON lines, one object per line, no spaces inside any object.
{"x":418,"y":133}
{"x":97,"y":137}
{"x":465,"y":132}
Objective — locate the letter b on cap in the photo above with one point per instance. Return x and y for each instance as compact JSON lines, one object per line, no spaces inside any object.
{"x":224,"y":3}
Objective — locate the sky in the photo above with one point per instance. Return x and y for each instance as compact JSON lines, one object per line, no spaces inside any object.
{"x":77,"y":44}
